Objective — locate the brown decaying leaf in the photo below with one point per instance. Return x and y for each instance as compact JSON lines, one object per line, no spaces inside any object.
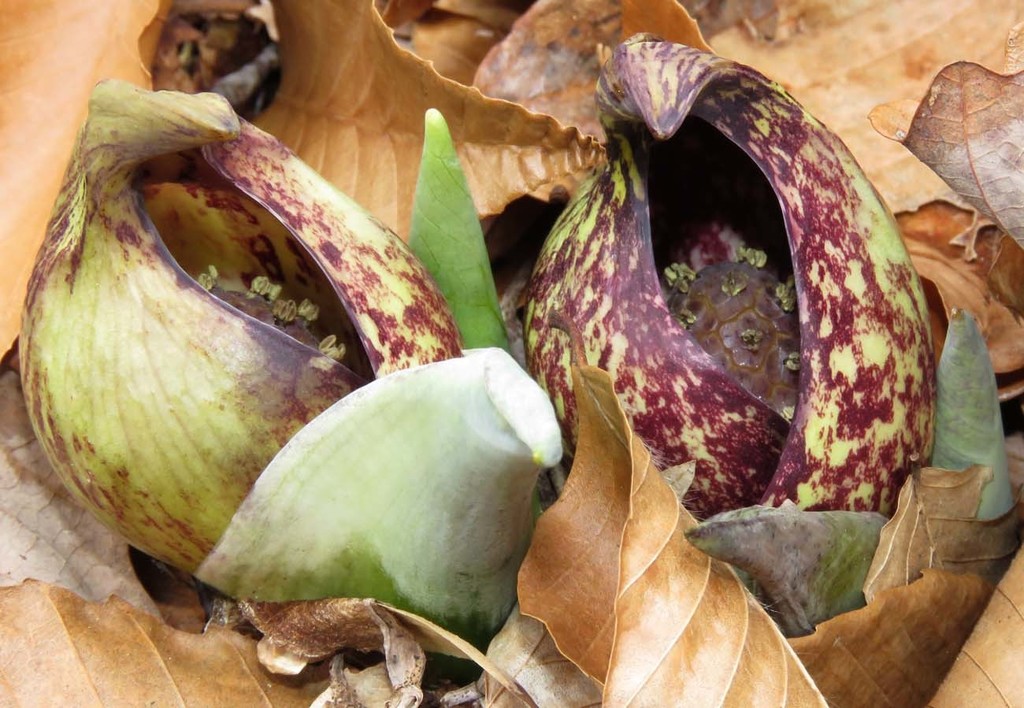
{"x":568,"y":579}
{"x":669,"y":20}
{"x":525,"y":650}
{"x":683,"y":629}
{"x":935,"y":527}
{"x":987,"y":671}
{"x":549,"y":62}
{"x":953,"y":281}
{"x":351,"y":104}
{"x":1007,"y":274}
{"x":53,"y":54}
{"x":968,"y":129}
{"x":551,"y":59}
{"x":895,"y":651}
{"x":354,"y":689}
{"x":315,"y":629}
{"x":455,"y":44}
{"x":45,"y":534}
{"x":843,"y":62}
{"x":57,"y":649}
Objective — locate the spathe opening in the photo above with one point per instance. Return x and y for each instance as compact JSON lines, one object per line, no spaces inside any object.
{"x":722,"y":255}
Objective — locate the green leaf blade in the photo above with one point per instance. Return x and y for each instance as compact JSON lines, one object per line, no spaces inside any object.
{"x":446,"y":235}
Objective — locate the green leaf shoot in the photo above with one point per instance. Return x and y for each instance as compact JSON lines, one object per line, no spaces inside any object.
{"x":968,"y":422}
{"x":445,"y":234}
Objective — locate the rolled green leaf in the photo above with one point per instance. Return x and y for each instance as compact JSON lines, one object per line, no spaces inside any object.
{"x":415,"y":490}
{"x":968,"y":422}
{"x":445,"y":233}
{"x":808,"y":566}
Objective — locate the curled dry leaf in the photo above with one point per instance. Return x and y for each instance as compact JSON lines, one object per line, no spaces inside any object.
{"x":525,"y":650}
{"x":869,"y":53}
{"x":987,"y":670}
{"x":968,"y":129}
{"x":54,"y":646}
{"x":935,"y":527}
{"x":46,"y":534}
{"x":678,"y":628}
{"x":351,"y":104}
{"x":312,"y":630}
{"x":352,"y":689}
{"x":954,"y":281}
{"x":54,"y":52}
{"x":894,"y":651}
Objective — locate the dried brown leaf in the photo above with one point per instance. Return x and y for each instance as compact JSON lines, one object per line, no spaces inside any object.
{"x":455,"y":44}
{"x":315,"y":629}
{"x":525,"y":650}
{"x":987,"y":670}
{"x":842,"y":59}
{"x":687,"y":632}
{"x":955,"y":281}
{"x":569,"y":578}
{"x":935,"y":527}
{"x":45,"y":534}
{"x":896,"y":650}
{"x":1006,"y":276}
{"x":57,"y":649}
{"x":550,"y":60}
{"x":351,"y":688}
{"x":53,"y":54}
{"x":684,"y":630}
{"x":311,"y":630}
{"x":668,"y":20}
{"x":351,"y":104}
{"x":968,"y":129}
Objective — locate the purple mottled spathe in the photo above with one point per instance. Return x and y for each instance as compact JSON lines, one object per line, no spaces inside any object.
{"x":866,"y":399}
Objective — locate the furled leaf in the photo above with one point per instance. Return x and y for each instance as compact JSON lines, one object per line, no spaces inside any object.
{"x":365,"y":135}
{"x":54,"y":52}
{"x":895,"y":651}
{"x":955,"y":278}
{"x":871,"y":53}
{"x":808,"y":566}
{"x":525,"y":650}
{"x":45,"y":534}
{"x":935,"y":527}
{"x":446,"y":235}
{"x":57,"y":649}
{"x":966,"y":129}
{"x":415,"y":489}
{"x":987,"y":671}
{"x":678,"y":628}
{"x":968,"y":421}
